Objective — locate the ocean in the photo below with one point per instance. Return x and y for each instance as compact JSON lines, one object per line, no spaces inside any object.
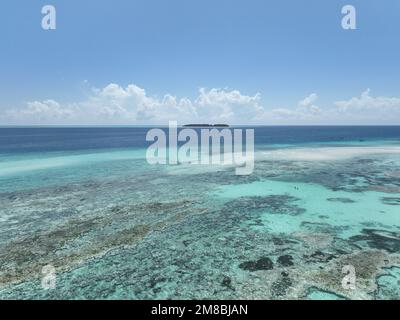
{"x":319,"y":218}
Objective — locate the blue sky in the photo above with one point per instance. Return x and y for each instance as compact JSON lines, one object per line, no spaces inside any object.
{"x":239,"y":61}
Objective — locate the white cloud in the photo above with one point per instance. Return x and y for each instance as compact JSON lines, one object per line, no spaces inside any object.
{"x":115,"y":104}
{"x":219,"y":104}
{"x":306,"y":110}
{"x":308,"y":104}
{"x":309,"y":100}
{"x":131,"y":104}
{"x":47,"y":109}
{"x":367,"y":102}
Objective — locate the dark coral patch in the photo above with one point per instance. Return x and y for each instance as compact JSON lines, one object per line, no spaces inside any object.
{"x":227,"y":282}
{"x":261,"y":264}
{"x":275,"y":204}
{"x":391,"y":201}
{"x":341,"y":200}
{"x":285,"y":260}
{"x":280,"y":287}
{"x":379,"y":239}
{"x":320,"y":256}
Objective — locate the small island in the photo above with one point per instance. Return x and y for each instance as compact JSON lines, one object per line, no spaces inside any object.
{"x":202,"y":125}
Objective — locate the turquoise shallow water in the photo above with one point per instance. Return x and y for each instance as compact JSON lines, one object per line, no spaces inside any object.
{"x":115,"y":227}
{"x":344,"y":210}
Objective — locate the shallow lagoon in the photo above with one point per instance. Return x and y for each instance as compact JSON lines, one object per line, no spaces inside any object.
{"x":115,"y":227}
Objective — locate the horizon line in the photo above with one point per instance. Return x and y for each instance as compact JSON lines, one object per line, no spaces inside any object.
{"x":166,"y":125}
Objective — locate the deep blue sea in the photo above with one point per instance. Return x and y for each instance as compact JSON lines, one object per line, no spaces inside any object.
{"x":23,"y":140}
{"x":87,"y":204}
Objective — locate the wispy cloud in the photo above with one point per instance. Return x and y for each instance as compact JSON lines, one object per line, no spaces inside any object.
{"x":308,"y":104}
{"x":305,"y":112}
{"x":368,"y":102}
